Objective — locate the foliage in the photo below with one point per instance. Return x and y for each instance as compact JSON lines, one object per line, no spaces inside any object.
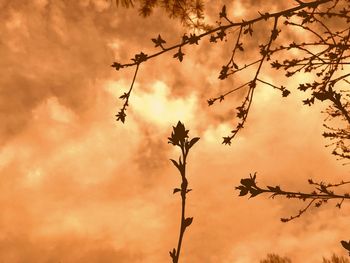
{"x":321,"y":194}
{"x":190,"y":12}
{"x":179,"y":137}
{"x":274,"y":258}
{"x":336,"y":259}
{"x":322,"y":56}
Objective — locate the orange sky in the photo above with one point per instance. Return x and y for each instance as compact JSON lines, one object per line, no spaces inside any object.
{"x":77,"y":186}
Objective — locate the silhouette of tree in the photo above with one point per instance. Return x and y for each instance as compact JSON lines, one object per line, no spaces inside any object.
{"x":336,"y":259}
{"x":274,"y":258}
{"x":322,"y":55}
{"x":190,"y":12}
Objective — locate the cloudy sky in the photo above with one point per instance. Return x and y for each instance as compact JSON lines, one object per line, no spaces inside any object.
{"x":77,"y":186}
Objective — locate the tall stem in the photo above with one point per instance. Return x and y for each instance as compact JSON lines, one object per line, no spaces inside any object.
{"x":183,"y":204}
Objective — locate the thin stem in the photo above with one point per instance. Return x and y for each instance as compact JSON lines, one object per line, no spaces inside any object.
{"x":183,"y":204}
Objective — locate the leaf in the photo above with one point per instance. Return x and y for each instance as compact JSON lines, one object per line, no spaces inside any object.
{"x":210,"y":102}
{"x":309,"y":101}
{"x":158,"y":41}
{"x":179,"y":55}
{"x":140,"y":58}
{"x":193,"y":39}
{"x":254,"y":192}
{"x":175,"y":163}
{"x":223,"y":72}
{"x":243,"y":190}
{"x":285,"y":93}
{"x":240,"y":46}
{"x":345,"y":244}
{"x":188,"y":221}
{"x":176,"y":190}
{"x":212,"y":39}
{"x":124,"y":96}
{"x":227,"y":140}
{"x":173,"y":253}
{"x":223,"y":12}
{"x":117,"y":65}
{"x":221,"y":34}
{"x":303,"y":87}
{"x":121,"y":116}
{"x":321,"y":96}
{"x":248,"y":182}
{"x":193,"y":141}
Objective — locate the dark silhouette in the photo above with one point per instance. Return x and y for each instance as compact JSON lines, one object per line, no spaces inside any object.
{"x":274,"y":258}
{"x":319,"y":196}
{"x":179,"y":137}
{"x":323,"y":54}
{"x":190,"y":12}
{"x":326,"y":64}
{"x":336,"y":259}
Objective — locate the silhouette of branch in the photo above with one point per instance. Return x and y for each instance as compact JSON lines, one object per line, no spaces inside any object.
{"x":179,"y":137}
{"x":323,"y":55}
{"x":320,"y":195}
{"x":121,"y":115}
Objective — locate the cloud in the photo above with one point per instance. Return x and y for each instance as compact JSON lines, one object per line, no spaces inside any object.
{"x":77,"y":186}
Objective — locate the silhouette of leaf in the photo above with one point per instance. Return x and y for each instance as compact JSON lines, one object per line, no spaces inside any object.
{"x":254,"y":192}
{"x":178,"y":135}
{"x":158,"y":41}
{"x":124,"y":96}
{"x":285,"y":92}
{"x":140,"y":58}
{"x":303,"y":87}
{"x":212,"y":39}
{"x":193,"y":141}
{"x":243,"y":190}
{"x":188,"y":221}
{"x":321,"y":95}
{"x":248,"y":182}
{"x":179,"y":55}
{"x":121,"y":116}
{"x":223,"y":12}
{"x":175,"y":163}
{"x":264,"y":16}
{"x":227,"y":140}
{"x":345,"y":244}
{"x":240,"y":46}
{"x":309,"y":102}
{"x":210,"y":102}
{"x":173,"y":254}
{"x":223,"y":72}
{"x":176,"y":190}
{"x":117,"y":65}
{"x":193,"y":39}
{"x":221,"y":34}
